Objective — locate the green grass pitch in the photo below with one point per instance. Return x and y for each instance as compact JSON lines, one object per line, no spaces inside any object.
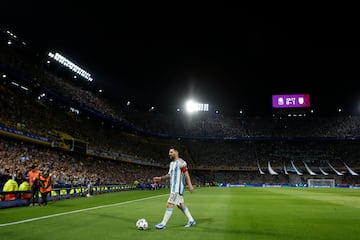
{"x":221,"y":213}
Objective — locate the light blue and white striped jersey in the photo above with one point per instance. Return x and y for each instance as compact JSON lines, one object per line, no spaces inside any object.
{"x":177,"y":176}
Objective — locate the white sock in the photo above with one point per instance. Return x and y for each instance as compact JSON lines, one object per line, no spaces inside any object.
{"x":187,"y":213}
{"x":167,"y":215}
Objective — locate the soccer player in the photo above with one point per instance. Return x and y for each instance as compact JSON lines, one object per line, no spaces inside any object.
{"x":178,"y":173}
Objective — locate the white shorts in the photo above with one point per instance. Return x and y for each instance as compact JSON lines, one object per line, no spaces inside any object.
{"x":176,"y":199}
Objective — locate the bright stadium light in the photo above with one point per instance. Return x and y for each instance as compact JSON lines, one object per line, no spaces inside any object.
{"x":11,"y":34}
{"x":192,"y":106}
{"x":67,"y":63}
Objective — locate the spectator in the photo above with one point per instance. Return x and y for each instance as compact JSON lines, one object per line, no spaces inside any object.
{"x":10,"y":186}
{"x":24,"y":187}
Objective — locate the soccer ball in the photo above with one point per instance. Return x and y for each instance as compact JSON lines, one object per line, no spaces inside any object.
{"x":142,"y":224}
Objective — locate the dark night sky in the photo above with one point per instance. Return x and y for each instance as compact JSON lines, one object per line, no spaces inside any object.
{"x":232,"y":58}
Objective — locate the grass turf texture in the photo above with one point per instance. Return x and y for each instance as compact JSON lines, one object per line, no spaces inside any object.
{"x":221,"y":213}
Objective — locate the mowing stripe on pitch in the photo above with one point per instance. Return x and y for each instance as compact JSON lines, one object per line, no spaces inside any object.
{"x":77,"y":211}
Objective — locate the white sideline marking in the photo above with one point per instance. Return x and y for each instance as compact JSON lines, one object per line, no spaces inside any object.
{"x":76,"y":211}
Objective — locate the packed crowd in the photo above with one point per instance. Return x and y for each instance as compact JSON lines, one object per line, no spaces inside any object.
{"x":212,"y":125}
{"x":217,"y":141}
{"x":68,"y":169}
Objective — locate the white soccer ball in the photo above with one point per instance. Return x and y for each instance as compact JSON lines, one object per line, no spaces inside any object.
{"x":142,"y":224}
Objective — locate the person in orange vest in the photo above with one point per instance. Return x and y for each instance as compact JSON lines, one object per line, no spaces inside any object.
{"x":45,"y":187}
{"x":34,"y":181}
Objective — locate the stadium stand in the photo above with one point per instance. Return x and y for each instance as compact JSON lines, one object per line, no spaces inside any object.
{"x":64,"y":126}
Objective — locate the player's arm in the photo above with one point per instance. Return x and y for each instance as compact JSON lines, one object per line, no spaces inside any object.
{"x":158,"y":179}
{"x":188,"y":181}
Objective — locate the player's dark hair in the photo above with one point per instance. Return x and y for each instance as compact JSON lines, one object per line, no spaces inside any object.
{"x":175,"y":148}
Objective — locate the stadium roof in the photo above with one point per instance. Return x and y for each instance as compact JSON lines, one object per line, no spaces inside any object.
{"x":232,"y":58}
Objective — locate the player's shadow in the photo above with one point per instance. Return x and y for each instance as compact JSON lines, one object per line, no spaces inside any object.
{"x":202,"y":221}
{"x":205,"y":220}
{"x":112,"y":216}
{"x":207,"y":225}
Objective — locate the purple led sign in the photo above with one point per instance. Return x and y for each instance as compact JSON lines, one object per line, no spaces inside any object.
{"x":291,"y":101}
